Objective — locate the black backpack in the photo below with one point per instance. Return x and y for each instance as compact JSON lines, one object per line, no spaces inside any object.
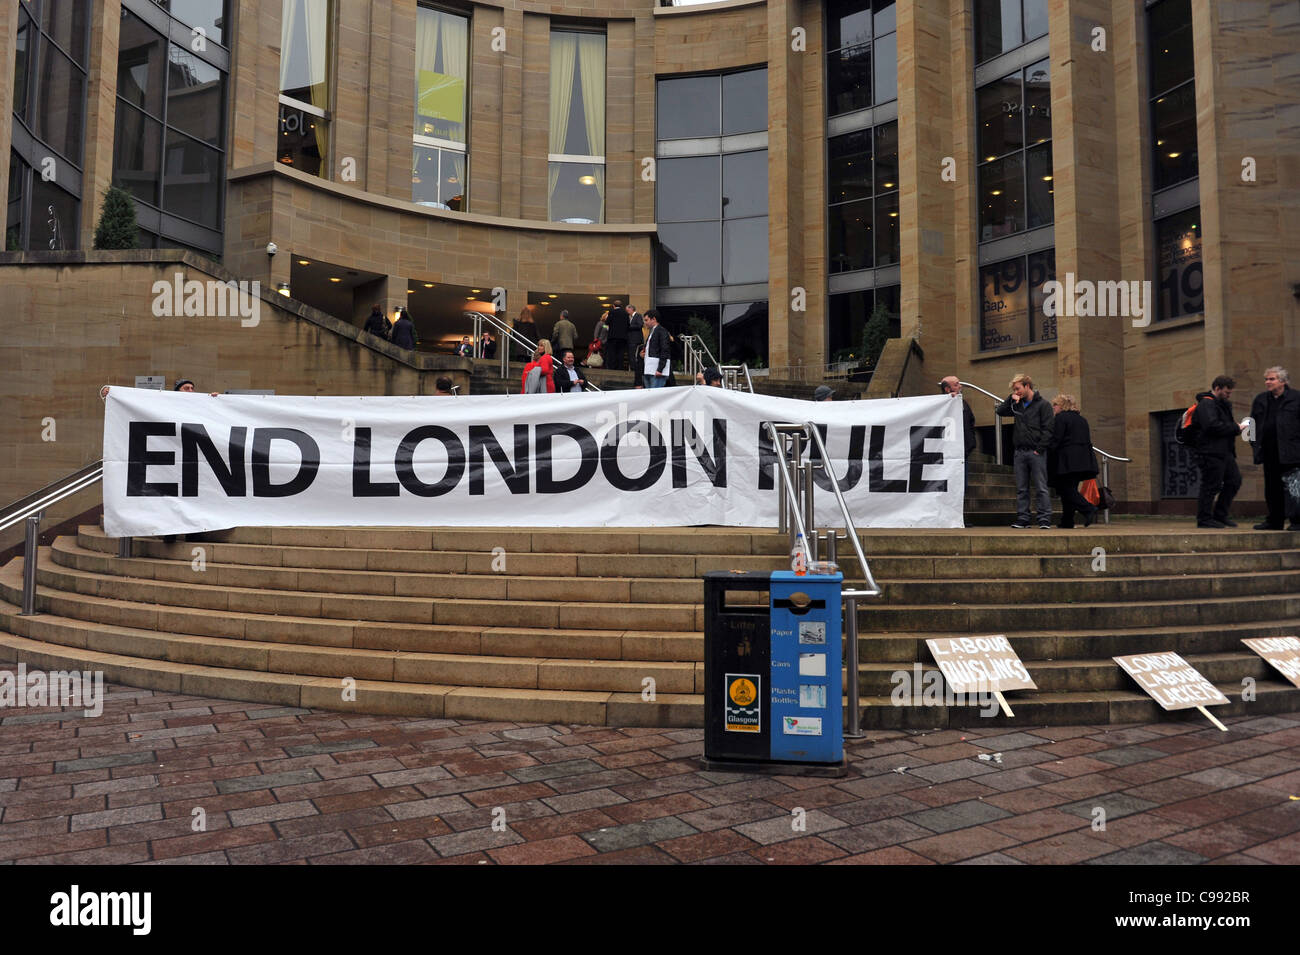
{"x":1188,"y":430}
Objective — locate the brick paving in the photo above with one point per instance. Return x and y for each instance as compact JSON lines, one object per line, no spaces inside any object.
{"x":166,"y":778}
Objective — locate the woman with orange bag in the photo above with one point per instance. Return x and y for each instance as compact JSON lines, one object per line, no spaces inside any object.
{"x":1070,"y":459}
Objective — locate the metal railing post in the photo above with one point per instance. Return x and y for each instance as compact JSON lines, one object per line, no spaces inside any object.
{"x":31,"y":548}
{"x":809,"y":510}
{"x":1105,"y":482}
{"x":854,"y":729}
{"x":124,"y":547}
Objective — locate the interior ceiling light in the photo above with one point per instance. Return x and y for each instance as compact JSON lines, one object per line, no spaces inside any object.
{"x":428,"y":285}
{"x":475,"y":290}
{"x":552,"y":296}
{"x":283,"y":289}
{"x":303,"y":262}
{"x":1174,"y":155}
{"x":335,"y":278}
{"x":1047,"y":179}
{"x":587,"y":180}
{"x":996,"y":192}
{"x":889,"y":185}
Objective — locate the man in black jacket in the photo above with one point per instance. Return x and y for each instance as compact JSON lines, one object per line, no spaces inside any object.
{"x":616,"y":358}
{"x":1216,"y":430}
{"x":1276,"y":411}
{"x":658,"y":352}
{"x":952,"y":386}
{"x":569,"y":378}
{"x":1031,"y":436}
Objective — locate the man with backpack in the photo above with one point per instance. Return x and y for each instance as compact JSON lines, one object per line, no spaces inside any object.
{"x":1210,"y":428}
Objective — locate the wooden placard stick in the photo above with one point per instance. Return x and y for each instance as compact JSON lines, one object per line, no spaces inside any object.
{"x":1212,"y":718}
{"x":1002,"y":702}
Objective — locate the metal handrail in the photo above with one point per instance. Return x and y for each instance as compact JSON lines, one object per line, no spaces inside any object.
{"x":512,"y":338}
{"x":1107,"y":457}
{"x":873,"y":589}
{"x":63,"y":488}
{"x":850,"y":597}
{"x":32,"y":511}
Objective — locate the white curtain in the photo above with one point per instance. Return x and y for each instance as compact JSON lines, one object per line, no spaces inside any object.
{"x":591,"y":59}
{"x":304,"y":48}
{"x":564,"y":57}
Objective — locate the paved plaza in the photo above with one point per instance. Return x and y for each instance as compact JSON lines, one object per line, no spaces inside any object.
{"x":166,"y":778}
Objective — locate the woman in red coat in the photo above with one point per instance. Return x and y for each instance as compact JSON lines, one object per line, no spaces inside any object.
{"x":545,"y":364}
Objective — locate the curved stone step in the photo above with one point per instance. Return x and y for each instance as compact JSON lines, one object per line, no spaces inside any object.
{"x":1074,"y":676}
{"x":406,"y":699}
{"x":1090,"y":708}
{"x":400,"y":609}
{"x":888,"y":568}
{"x":906,"y":647}
{"x":624,"y":676}
{"x":1098,"y":588}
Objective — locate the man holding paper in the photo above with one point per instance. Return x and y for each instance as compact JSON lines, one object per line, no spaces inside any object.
{"x":658,"y":352}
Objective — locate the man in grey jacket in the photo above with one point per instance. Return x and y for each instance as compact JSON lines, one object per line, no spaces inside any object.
{"x":1030,"y":437}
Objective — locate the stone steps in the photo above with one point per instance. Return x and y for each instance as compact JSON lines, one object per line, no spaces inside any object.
{"x":538,"y":623}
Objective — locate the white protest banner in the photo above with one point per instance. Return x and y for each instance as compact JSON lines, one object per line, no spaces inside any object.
{"x":1282,"y":653}
{"x":981,"y":665}
{"x":176,"y":462}
{"x":1173,"y":682}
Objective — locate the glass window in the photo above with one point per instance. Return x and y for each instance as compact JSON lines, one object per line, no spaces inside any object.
{"x":65,"y":22}
{"x":1035,"y":19}
{"x":864,"y":233}
{"x":577,"y":93}
{"x":194,"y":96}
{"x":848,"y":23}
{"x":306,"y":70}
{"x":192,"y":180}
{"x":849,"y":166}
{"x":744,"y":251}
{"x":438,"y":178}
{"x":16,"y":201}
{"x":1001,"y":126}
{"x":1173,"y":128}
{"x":577,"y":192}
{"x":848,"y":79}
{"x":1180,"y":281}
{"x":689,"y":107}
{"x":577,"y":189}
{"x":997,"y":28}
{"x":140,"y":61}
{"x":1038,"y":185}
{"x":885,"y":63}
{"x":1170,"y":27}
{"x":60,"y":118}
{"x":849,"y":225}
{"x":744,"y":334}
{"x":137,"y":153}
{"x":702,"y":321}
{"x":744,"y":102}
{"x":849,"y":312}
{"x":441,"y":69}
{"x":1180,"y":467}
{"x":1015,"y":185}
{"x":1011,"y":299}
{"x":688,"y":189}
{"x":886,"y":156}
{"x":690,"y":254}
{"x":887,"y":232}
{"x":744,"y":184}
{"x":54,"y":220}
{"x":884,"y":17}
{"x":207,"y":15}
{"x":304,"y":140}
{"x":23,"y":63}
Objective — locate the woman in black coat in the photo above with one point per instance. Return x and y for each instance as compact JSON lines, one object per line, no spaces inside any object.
{"x":1070,"y":459}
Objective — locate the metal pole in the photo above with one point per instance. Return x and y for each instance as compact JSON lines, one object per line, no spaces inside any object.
{"x":124,"y":547}
{"x":1105,"y":482}
{"x":831,"y":539}
{"x":854,"y":730}
{"x":795,"y":451}
{"x":810,"y":516}
{"x":997,"y":438}
{"x":31,"y":544}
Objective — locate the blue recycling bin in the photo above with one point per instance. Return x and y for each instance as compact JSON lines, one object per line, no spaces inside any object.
{"x":773,"y":682}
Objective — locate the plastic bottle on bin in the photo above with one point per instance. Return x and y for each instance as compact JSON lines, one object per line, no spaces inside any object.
{"x":799,"y":557}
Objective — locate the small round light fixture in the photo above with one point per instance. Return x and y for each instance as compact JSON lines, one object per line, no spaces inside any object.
{"x":283,"y":289}
{"x":303,"y":262}
{"x":587,"y":180}
{"x":335,"y":278}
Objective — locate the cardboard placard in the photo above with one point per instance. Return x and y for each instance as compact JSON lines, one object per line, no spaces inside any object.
{"x":1282,"y":654}
{"x":980,"y":664}
{"x":1171,"y":681}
